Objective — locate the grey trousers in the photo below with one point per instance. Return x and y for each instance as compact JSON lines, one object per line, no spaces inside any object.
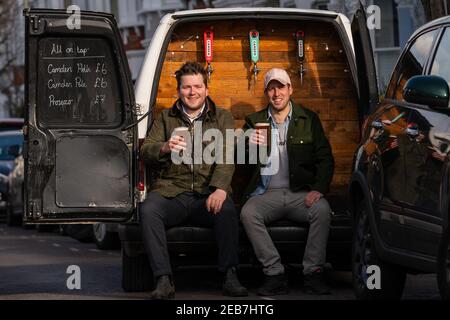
{"x":266,"y":208}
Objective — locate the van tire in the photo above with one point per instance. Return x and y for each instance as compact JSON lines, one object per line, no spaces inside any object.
{"x":136,"y":273}
{"x":364,"y":254}
{"x":443,"y":268}
{"x":12,"y":220}
{"x":104,"y":239}
{"x":45,"y":228}
{"x":80,"y":232}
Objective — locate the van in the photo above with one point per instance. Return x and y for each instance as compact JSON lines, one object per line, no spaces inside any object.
{"x":85,"y":122}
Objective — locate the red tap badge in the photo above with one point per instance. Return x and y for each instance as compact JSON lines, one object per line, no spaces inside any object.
{"x":208,"y":38}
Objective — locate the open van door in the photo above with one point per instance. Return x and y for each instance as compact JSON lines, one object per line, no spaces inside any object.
{"x":80,"y":142}
{"x":367,"y":76}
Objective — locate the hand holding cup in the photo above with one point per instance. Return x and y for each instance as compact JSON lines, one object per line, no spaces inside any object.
{"x":177,"y":142}
{"x":261,"y":135}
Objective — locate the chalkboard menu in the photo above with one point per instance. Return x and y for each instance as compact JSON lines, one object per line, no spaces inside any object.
{"x":77,"y":84}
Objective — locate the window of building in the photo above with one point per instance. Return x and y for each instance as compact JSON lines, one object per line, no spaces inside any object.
{"x":387,"y":36}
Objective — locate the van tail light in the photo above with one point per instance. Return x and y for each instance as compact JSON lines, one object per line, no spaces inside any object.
{"x":141,"y":180}
{"x":140,"y":184}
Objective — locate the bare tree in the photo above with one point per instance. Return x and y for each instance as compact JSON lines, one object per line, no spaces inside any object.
{"x":436,"y":8}
{"x":11,"y":53}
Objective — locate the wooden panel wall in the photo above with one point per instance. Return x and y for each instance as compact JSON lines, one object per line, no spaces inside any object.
{"x":327,"y":86}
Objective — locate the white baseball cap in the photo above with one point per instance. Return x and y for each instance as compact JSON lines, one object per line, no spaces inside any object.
{"x":276,"y":74}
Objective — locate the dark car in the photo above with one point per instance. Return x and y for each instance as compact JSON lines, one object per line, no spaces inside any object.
{"x":400,"y":184}
{"x":10,"y":148}
{"x":14,"y":211}
{"x":8,"y":124}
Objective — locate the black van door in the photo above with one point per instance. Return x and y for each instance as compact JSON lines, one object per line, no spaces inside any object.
{"x":80,"y":144}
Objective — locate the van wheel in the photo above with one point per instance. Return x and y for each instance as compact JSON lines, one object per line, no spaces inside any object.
{"x":41,"y":228}
{"x":80,"y":232}
{"x":392,"y":277}
{"x":443,"y":273}
{"x":104,"y":239}
{"x":12,"y":219}
{"x":136,"y":273}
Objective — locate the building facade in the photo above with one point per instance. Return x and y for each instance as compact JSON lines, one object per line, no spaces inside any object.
{"x":398,"y":20}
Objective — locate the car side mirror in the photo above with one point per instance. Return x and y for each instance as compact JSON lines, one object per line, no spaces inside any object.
{"x":14,"y":151}
{"x":432,"y":91}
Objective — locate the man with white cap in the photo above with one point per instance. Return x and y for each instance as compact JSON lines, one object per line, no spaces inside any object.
{"x":295,"y":191}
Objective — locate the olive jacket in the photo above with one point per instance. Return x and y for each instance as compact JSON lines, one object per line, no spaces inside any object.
{"x":172,"y":179}
{"x":311,"y":162}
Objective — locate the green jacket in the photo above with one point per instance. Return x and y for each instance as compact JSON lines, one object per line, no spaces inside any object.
{"x":311,"y":162}
{"x":172,"y":179}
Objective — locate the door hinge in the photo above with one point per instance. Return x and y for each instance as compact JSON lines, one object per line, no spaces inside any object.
{"x":34,"y":212}
{"x":35,"y":21}
{"x":138,"y":109}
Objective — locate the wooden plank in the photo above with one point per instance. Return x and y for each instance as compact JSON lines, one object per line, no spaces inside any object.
{"x":244,"y":105}
{"x":316,"y":56}
{"x":340,"y":179}
{"x":243,"y":69}
{"x":248,"y":88}
{"x":243,"y":45}
{"x":344,"y":109}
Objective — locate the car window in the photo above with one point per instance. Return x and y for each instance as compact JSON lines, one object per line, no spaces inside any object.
{"x":441,"y":63}
{"x":411,"y":64}
{"x":6,"y":142}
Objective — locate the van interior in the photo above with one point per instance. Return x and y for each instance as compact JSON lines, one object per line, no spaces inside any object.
{"x":327,"y":87}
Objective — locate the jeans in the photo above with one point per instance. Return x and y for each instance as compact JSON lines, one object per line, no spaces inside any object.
{"x":159,"y":213}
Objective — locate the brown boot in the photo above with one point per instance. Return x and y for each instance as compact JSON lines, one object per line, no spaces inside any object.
{"x":164,"y":289}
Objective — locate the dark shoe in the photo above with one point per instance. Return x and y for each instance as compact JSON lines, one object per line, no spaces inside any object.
{"x":274,"y":285}
{"x":315,"y":283}
{"x":231,"y":286}
{"x":164,"y":289}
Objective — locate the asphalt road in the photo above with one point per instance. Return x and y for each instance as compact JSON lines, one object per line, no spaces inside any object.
{"x":34,"y":266}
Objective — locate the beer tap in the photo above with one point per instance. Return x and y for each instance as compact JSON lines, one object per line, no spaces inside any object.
{"x":300,"y":40}
{"x":208,"y":37}
{"x":254,"y":52}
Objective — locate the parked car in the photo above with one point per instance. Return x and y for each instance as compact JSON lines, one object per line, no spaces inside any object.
{"x":15,"y":196}
{"x":400,"y":185}
{"x":10,"y":148}
{"x":3,"y":192}
{"x":8,"y":124}
{"x":82,"y":161}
